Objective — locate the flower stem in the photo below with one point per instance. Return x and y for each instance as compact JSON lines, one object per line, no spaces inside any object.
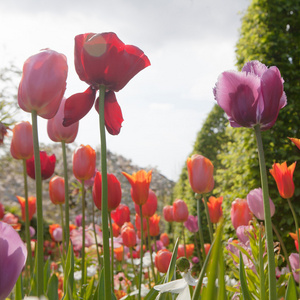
{"x":198,"y":250}
{"x":262,"y":290}
{"x":133,"y":267}
{"x":141,"y":253}
{"x":200,"y":228}
{"x":267,"y":214}
{"x":112,"y":250}
{"x":96,"y":240}
{"x":297,"y":227}
{"x":67,"y":230}
{"x":39,"y":204}
{"x":150,"y":250}
{"x":106,"y":260}
{"x":83,"y":239}
{"x":183,"y":237}
{"x":63,"y":229}
{"x":208,"y":220}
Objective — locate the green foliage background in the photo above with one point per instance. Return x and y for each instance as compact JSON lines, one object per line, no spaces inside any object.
{"x":270,"y":34}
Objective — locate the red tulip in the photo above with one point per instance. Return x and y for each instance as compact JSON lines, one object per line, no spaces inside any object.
{"x":180,"y":211}
{"x":57,"y":190}
{"x":200,"y":172}
{"x":3,"y":132}
{"x":47,"y":165}
{"x":189,"y":250}
{"x":43,"y":83}
{"x":84,"y":162}
{"x":168,"y":213}
{"x":21,"y":146}
{"x":114,"y":191}
{"x":149,"y":208}
{"x":140,"y":182}
{"x":121,"y":214}
{"x":128,"y":235}
{"x":59,"y":133}
{"x":31,"y":207}
{"x":240,"y":213}
{"x":138,"y":223}
{"x":206,"y":248}
{"x":162,"y":260}
{"x":154,"y":225}
{"x":116,"y":229}
{"x":215,"y":209}
{"x":1,"y":210}
{"x":165,"y":239}
{"x":283,"y":176}
{"x":294,"y":236}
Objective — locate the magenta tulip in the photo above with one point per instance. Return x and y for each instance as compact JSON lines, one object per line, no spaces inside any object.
{"x":192,"y":223}
{"x":43,"y":83}
{"x":12,"y":259}
{"x":253,"y":96}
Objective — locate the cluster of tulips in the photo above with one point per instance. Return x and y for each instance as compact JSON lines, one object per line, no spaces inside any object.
{"x":118,"y":259}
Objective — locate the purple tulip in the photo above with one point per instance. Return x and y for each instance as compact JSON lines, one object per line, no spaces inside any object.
{"x":12,"y":259}
{"x":294,"y":261}
{"x":191,"y":223}
{"x":256,"y":205}
{"x":253,"y":96}
{"x":243,"y":233}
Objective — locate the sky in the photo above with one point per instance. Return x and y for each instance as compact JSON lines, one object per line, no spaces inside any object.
{"x":189,"y":44}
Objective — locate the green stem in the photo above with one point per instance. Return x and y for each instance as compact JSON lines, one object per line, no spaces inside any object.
{"x":112,"y":251}
{"x":200,"y":228}
{"x":141,"y":253}
{"x":29,"y":261}
{"x":106,"y":260}
{"x":39,"y":206}
{"x":282,"y":245}
{"x":297,"y":227}
{"x":83,"y":240}
{"x":183,"y":237}
{"x":211,"y":233}
{"x":150,"y":250}
{"x":133,"y":267}
{"x":96,"y":240}
{"x":198,"y":250}
{"x":261,"y":268}
{"x":67,"y":230}
{"x":63,"y":229}
{"x":267,"y":214}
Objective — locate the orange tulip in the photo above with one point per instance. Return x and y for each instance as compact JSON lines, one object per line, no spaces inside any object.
{"x":165,"y":239}
{"x":154,"y":225}
{"x":149,"y":208}
{"x":116,"y":229}
{"x":31,"y":207}
{"x":296,"y":142}
{"x":206,"y":248}
{"x":119,"y":253}
{"x":283,"y":176}
{"x":294,"y":236}
{"x":140,"y":183}
{"x":84,"y":162}
{"x":215,"y":209}
{"x":162,"y":260}
{"x":189,"y":250}
{"x":52,"y":227}
{"x":200,"y":172}
{"x":180,"y":211}
{"x":57,"y":190}
{"x":21,"y":146}
{"x":240,"y":213}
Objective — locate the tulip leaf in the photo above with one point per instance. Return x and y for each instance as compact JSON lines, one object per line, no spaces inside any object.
{"x":19,"y":289}
{"x":52,"y":292}
{"x":46,"y":275}
{"x":244,"y":286}
{"x":291,"y":291}
{"x":33,"y":284}
{"x":99,"y":292}
{"x":221,"y":278}
{"x":69,"y":274}
{"x":89,"y":289}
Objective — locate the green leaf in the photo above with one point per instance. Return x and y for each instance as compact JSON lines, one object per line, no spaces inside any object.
{"x":52,"y":291}
{"x":89,"y":289}
{"x":221,"y":277}
{"x":291,"y":291}
{"x":19,"y":289}
{"x":69,"y":274}
{"x":46,"y":274}
{"x":244,"y":286}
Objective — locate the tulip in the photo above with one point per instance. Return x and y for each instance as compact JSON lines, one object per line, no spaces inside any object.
{"x":294,"y":261}
{"x":149,"y":208}
{"x":47,"y":165}
{"x":21,"y":146}
{"x":180,"y":211}
{"x":192,"y":223}
{"x":57,"y":234}
{"x":296,"y":142}
{"x":31,"y":207}
{"x":3,"y":132}
{"x":168,"y":213}
{"x":128,"y":235}
{"x":116,"y":229}
{"x":12,"y":259}
{"x":200,"y":172}
{"x":2,"y":210}
{"x":283,"y":176}
{"x":114,"y":194}
{"x":52,"y":227}
{"x":253,"y":96}
{"x":121,"y":214}
{"x":294,"y":236}
{"x":256,"y":205}
{"x":240,"y":213}
{"x":84,"y":162}
{"x":59,"y":133}
{"x":12,"y":220}
{"x":57,"y":190}
{"x":243,"y":233}
{"x":162,"y":260}
{"x":165,"y":239}
{"x":189,"y":250}
{"x":140,"y":182}
{"x":119,"y":253}
{"x":154,"y":225}
{"x":215,"y":209}
{"x":138,"y":223}
{"x":43,"y":83}
{"x":206,"y":248}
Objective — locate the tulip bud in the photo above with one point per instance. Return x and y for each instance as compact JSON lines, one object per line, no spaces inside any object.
{"x":180,"y":211}
{"x":162,"y":260}
{"x":57,"y":190}
{"x":84,"y":162}
{"x":240,"y":213}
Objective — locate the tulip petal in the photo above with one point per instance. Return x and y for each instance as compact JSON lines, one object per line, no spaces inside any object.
{"x":78,"y":105}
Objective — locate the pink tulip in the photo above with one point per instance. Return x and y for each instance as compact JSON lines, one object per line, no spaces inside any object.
{"x":192,"y":223}
{"x":180,"y":211}
{"x":43,"y":83}
{"x":12,"y":259}
{"x":253,"y":96}
{"x":294,"y":261}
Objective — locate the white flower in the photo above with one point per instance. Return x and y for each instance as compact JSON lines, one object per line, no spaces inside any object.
{"x":144,"y":292}
{"x":91,"y":270}
{"x":179,"y":286}
{"x":77,"y":275}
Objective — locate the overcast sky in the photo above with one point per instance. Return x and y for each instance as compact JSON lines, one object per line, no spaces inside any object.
{"x":189,"y":43}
